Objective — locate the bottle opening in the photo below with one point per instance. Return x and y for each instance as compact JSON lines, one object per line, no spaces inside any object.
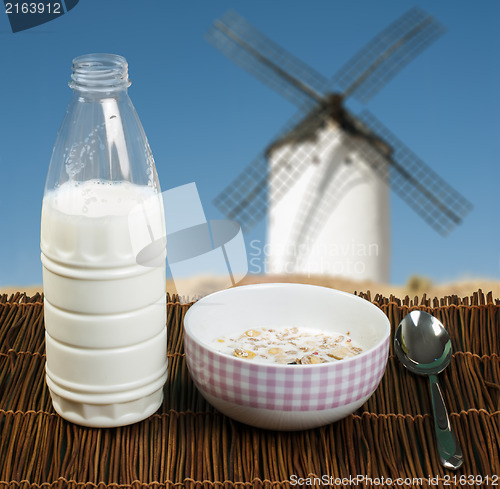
{"x":100,"y":72}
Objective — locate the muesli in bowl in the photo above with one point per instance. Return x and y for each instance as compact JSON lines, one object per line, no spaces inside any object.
{"x":290,"y":346}
{"x":282,"y":395}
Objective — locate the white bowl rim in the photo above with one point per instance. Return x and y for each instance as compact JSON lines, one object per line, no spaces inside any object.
{"x":208,"y":347}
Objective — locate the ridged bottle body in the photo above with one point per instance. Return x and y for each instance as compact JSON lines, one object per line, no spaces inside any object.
{"x":105,"y":311}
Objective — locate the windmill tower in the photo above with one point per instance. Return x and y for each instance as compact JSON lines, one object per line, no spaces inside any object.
{"x":324,"y":181}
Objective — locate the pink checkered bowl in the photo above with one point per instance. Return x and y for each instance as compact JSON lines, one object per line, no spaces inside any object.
{"x":277,"y":396}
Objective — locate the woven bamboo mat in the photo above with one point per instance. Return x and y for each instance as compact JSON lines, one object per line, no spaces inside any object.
{"x":187,"y":443}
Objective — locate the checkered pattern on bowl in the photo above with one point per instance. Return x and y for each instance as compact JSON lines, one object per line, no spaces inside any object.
{"x":286,"y":387}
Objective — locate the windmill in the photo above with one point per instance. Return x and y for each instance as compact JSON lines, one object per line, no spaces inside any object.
{"x":324,"y":181}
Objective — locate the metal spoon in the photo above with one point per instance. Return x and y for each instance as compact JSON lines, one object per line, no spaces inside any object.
{"x":424,"y":347}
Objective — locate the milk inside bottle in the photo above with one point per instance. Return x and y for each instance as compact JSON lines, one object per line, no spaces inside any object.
{"x":105,"y":310}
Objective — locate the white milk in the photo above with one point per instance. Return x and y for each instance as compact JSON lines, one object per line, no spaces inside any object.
{"x":105,"y":314}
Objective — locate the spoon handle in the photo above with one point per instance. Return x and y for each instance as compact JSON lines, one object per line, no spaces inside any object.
{"x":449,"y":450}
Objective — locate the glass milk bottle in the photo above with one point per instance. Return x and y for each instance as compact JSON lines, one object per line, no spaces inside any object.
{"x":103,"y":256}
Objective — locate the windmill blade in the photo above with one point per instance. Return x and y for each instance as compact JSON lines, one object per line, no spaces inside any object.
{"x":267,"y":61}
{"x":420,"y":186}
{"x":246,"y":199}
{"x":367,"y":72}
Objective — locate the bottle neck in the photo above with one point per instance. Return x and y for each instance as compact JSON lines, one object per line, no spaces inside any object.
{"x":99,"y":73}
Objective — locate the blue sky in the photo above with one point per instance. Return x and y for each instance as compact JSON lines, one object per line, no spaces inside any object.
{"x":205,"y":118}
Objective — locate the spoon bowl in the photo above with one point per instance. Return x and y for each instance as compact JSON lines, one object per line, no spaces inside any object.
{"x":423,"y":346}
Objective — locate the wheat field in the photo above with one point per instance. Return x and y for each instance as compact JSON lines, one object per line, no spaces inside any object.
{"x":415,"y":286}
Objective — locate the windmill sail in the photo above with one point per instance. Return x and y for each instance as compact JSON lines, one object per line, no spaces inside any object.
{"x":270,"y":63}
{"x":414,"y":181}
{"x":367,"y":72}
